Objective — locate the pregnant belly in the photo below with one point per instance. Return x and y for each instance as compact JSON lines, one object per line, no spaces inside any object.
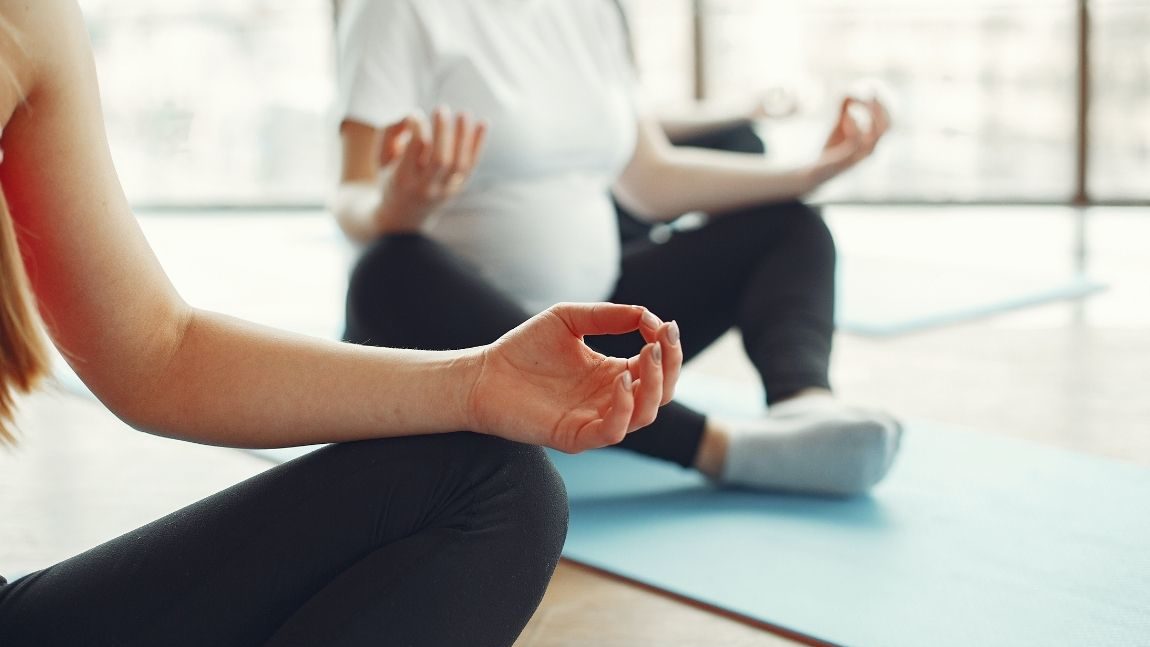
{"x":540,"y":242}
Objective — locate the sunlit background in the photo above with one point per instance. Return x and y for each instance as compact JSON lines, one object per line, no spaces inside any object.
{"x":1019,"y":312}
{"x":217,"y":102}
{"x":227,"y":101}
{"x":221,"y":123}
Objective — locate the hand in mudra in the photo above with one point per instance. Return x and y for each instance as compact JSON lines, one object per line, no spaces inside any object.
{"x":850,"y":141}
{"x":541,"y":384}
{"x":425,"y":170}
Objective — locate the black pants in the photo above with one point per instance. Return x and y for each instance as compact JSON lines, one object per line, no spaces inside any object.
{"x":431,"y":540}
{"x":769,"y":271}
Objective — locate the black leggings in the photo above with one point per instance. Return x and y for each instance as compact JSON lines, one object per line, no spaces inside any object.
{"x":769,"y":271}
{"x":429,"y":540}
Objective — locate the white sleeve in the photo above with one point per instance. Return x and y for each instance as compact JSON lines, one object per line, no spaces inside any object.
{"x":620,"y":49}
{"x":384,"y":61}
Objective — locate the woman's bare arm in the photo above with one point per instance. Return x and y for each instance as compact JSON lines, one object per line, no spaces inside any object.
{"x":355,"y":204}
{"x":663,"y":182}
{"x":175,"y":370}
{"x":393,"y":178}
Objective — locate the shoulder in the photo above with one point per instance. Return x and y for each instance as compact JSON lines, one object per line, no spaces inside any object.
{"x":382,"y":11}
{"x":40,"y":22}
{"x":605,"y":22}
{"x":612,"y":10}
{"x":607,"y":17}
{"x":383,"y":22}
{"x":39,"y":41}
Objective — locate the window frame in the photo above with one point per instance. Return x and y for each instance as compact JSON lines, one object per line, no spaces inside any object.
{"x":1081,"y":196}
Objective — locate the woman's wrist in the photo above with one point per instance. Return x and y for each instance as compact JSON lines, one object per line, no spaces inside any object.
{"x":396,"y":217}
{"x":463,"y":370}
{"x":818,"y":174}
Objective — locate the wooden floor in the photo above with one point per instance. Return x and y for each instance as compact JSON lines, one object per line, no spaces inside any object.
{"x":1071,"y":376}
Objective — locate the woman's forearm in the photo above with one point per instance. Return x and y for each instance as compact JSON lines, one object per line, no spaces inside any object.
{"x":395,"y":178}
{"x":233,"y":383}
{"x":688,"y":179}
{"x":355,"y":206}
{"x":662,"y":182}
{"x":186,"y":373}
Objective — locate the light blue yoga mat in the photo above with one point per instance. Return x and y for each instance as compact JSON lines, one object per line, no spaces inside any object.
{"x":972,"y":540}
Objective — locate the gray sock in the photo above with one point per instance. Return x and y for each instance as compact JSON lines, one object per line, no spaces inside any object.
{"x":829,"y":449}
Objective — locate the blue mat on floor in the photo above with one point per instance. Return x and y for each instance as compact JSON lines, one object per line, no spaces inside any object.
{"x":972,"y":540}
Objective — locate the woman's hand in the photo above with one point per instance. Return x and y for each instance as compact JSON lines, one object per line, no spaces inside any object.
{"x":423,"y":171}
{"x":541,"y":384}
{"x":849,"y":142}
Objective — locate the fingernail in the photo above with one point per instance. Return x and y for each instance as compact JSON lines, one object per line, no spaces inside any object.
{"x":627,"y":382}
{"x":650,"y":320}
{"x":657,"y":353}
{"x":673,"y":332}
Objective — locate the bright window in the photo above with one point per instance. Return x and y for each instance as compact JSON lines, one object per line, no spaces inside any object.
{"x":227,"y":101}
{"x":217,"y":101}
{"x":984,"y":92}
{"x":1120,"y":112}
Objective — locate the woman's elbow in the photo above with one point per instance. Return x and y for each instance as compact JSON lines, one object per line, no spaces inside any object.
{"x":139,"y":381}
{"x":131,"y":400}
{"x":644,"y":198}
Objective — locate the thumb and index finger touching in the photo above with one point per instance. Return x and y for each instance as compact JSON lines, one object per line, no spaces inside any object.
{"x":466,"y":141}
{"x":403,"y":139}
{"x":394,"y":140}
{"x":583,"y":319}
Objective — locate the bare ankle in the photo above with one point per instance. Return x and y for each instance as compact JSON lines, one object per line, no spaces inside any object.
{"x":808,"y":392}
{"x":712,"y":454}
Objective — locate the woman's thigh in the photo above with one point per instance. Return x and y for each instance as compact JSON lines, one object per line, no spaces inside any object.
{"x":409,"y":291}
{"x":699,"y":277}
{"x":235,"y":567}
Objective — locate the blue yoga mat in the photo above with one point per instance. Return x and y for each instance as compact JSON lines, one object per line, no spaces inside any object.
{"x":972,"y":540}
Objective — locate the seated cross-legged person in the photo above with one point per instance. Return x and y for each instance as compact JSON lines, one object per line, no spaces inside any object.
{"x":482,"y":141}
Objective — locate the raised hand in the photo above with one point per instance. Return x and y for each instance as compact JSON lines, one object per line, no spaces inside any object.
{"x":425,"y":170}
{"x":851,"y":142}
{"x":541,"y":384}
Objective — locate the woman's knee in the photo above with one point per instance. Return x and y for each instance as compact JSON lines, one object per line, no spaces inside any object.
{"x":522,"y":480}
{"x":511,"y":528}
{"x":374,"y":294}
{"x":386,"y":257}
{"x":791,"y":227}
{"x":503,"y":491}
{"x":806,"y":229}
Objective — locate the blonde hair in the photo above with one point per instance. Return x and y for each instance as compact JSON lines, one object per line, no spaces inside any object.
{"x":24,"y":356}
{"x":23,"y":353}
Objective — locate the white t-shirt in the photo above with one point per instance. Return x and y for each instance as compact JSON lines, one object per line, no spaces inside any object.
{"x":553,"y":80}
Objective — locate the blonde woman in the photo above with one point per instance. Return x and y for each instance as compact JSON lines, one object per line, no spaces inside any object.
{"x":401,"y":533}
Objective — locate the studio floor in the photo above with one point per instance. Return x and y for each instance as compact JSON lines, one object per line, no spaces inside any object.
{"x":1069,"y":374}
